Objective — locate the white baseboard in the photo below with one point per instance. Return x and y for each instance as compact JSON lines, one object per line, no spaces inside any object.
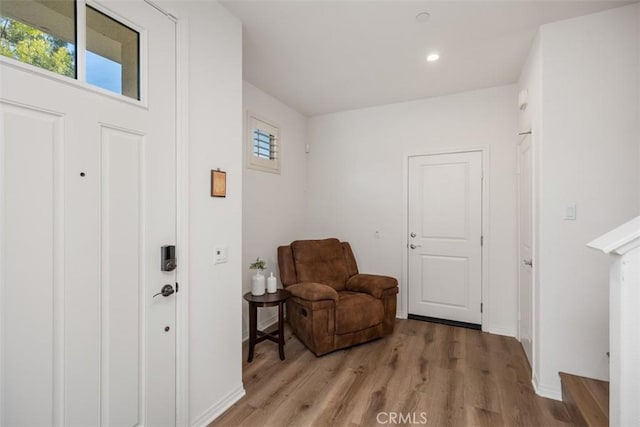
{"x":219,"y":407}
{"x":502,"y":331}
{"x":264,"y":324}
{"x":545,"y":390}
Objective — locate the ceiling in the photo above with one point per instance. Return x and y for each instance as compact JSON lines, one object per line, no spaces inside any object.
{"x":327,"y":56}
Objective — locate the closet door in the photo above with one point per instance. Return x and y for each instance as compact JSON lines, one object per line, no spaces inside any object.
{"x":445,"y":228}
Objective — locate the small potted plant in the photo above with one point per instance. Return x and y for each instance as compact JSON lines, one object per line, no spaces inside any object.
{"x":258,"y":280}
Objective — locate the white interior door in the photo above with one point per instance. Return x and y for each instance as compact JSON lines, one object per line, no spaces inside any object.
{"x":525,"y":324}
{"x":445,"y":228}
{"x":87,"y":186}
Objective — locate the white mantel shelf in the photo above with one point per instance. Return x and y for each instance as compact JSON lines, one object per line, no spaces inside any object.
{"x":623,"y":246}
{"x":619,"y":240}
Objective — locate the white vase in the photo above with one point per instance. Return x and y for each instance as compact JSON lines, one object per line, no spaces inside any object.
{"x":257,"y":284}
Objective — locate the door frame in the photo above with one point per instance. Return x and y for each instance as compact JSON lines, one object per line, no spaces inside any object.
{"x":182,"y":416}
{"x":403,"y":306}
{"x":519,"y":174}
{"x":535,"y":173}
{"x":182,"y":215}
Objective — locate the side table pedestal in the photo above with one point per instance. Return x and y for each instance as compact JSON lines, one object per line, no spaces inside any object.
{"x":256,"y":336}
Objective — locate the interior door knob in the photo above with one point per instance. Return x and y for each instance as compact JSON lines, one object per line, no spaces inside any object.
{"x":412,"y":246}
{"x":165,"y":291}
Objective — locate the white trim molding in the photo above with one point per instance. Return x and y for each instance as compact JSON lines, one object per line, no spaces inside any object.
{"x":182,"y":219}
{"x":543,"y":390}
{"x":182,"y":212}
{"x":219,"y":407}
{"x":623,"y":246}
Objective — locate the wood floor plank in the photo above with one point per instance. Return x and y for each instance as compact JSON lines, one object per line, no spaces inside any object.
{"x":483,"y":418}
{"x":440,"y":374}
{"x":587,"y":399}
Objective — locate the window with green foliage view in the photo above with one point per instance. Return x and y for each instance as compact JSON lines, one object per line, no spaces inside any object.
{"x":40,"y":33}
{"x":43,"y":33}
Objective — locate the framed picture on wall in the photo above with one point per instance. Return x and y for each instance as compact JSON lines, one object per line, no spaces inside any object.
{"x":218,"y":183}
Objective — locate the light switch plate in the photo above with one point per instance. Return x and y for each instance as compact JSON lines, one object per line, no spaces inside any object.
{"x":570,"y":212}
{"x":220,"y":255}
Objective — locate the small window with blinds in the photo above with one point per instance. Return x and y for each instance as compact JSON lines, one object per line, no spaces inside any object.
{"x":263,"y":149}
{"x":264,"y":144}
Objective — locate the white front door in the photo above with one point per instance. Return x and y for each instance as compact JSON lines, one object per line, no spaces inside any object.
{"x":445,"y":228}
{"x":87,"y":193}
{"x":525,"y":324}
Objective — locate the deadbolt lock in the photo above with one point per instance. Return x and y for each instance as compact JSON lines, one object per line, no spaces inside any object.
{"x":168,"y":258}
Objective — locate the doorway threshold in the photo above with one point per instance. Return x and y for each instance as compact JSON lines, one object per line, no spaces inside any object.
{"x":445,"y":322}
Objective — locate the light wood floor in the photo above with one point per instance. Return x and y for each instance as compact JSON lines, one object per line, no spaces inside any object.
{"x":450,"y":376}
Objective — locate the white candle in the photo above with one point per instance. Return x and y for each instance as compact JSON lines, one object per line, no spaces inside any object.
{"x":271,"y":284}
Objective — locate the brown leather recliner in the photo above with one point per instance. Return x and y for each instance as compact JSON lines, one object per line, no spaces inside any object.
{"x":332,"y":306}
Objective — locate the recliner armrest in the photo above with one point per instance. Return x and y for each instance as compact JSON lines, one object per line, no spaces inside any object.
{"x":371,"y":284}
{"x":312,"y":291}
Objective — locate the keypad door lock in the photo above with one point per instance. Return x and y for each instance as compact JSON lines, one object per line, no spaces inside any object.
{"x":168,"y":258}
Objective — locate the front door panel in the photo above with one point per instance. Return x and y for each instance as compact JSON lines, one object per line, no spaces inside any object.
{"x":88,"y":199}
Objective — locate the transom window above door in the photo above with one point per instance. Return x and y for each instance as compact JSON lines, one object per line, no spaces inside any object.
{"x":45,"y":34}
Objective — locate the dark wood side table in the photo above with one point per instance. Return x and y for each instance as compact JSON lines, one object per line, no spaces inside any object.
{"x":266,"y":300}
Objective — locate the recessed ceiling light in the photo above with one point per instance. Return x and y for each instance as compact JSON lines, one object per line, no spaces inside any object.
{"x":423,"y":17}
{"x":433,"y":57}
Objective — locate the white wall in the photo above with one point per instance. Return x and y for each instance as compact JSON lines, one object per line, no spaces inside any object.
{"x":356,"y":180}
{"x":273,"y":204}
{"x":214,"y":125}
{"x":588,"y":156}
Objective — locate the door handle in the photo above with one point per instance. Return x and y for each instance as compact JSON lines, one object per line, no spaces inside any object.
{"x":165,"y":291}
{"x":412,"y":246}
{"x":528,"y":262}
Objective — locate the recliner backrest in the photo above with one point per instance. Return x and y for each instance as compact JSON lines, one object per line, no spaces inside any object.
{"x":320,"y":261}
{"x":326,"y":261}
